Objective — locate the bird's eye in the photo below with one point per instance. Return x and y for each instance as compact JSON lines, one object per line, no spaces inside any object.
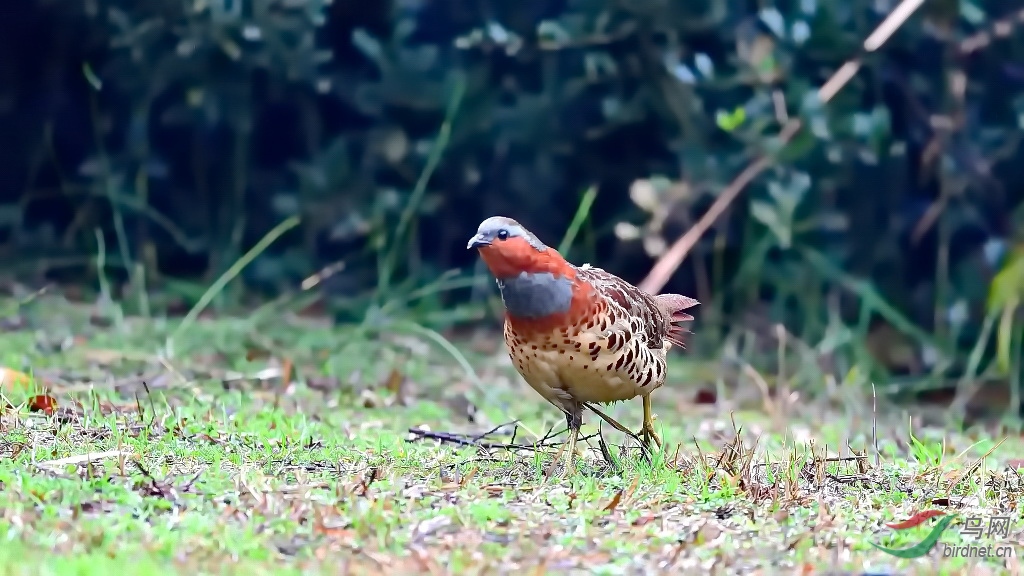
{"x":502,"y":234}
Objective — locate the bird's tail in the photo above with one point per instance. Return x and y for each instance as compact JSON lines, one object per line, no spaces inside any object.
{"x":672,"y":306}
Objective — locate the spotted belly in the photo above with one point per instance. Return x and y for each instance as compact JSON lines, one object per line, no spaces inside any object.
{"x":585,"y":368}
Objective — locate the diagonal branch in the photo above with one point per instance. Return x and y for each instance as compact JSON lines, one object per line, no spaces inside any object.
{"x":670,"y":260}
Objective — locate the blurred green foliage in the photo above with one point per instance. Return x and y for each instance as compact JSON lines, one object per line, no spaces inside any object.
{"x":181,"y":132}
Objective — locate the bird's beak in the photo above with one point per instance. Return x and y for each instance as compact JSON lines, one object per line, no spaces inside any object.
{"x":478,"y":241}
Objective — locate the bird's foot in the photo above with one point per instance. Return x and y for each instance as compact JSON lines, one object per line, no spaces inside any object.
{"x":570,"y":465}
{"x":569,"y":453}
{"x":648,"y":429}
{"x":650,"y":435}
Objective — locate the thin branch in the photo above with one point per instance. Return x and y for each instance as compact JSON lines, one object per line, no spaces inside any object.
{"x":479,"y":441}
{"x":670,"y":261}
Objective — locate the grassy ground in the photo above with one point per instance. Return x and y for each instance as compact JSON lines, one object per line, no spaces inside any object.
{"x":273,"y":445}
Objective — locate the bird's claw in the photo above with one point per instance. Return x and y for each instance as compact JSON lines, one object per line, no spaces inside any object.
{"x":650,"y":435}
{"x":570,"y":466}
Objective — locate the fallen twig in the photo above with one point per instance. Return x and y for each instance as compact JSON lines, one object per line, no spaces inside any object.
{"x":479,"y":441}
{"x":83,"y":458}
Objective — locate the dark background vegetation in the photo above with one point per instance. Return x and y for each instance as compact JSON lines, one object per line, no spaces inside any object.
{"x":154,"y":143}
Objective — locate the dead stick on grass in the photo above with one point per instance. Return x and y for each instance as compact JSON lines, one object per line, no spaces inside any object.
{"x":670,"y":261}
{"x":87,"y":457}
{"x":477,"y":440}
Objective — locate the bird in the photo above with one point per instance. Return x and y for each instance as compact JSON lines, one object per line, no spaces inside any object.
{"x":579,"y":335}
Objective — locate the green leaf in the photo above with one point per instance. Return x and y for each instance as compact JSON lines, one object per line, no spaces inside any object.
{"x":798,"y":146}
{"x":766,"y":64}
{"x":768,"y":214}
{"x":1004,"y":296}
{"x":1008,"y":284}
{"x":91,"y":77}
{"x":730,"y":121}
{"x":1004,"y":336}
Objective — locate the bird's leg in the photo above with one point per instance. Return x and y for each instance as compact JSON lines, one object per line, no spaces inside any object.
{"x":574,"y":421}
{"x":648,"y":429}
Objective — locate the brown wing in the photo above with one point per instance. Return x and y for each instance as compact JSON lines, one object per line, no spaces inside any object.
{"x":633,"y":301}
